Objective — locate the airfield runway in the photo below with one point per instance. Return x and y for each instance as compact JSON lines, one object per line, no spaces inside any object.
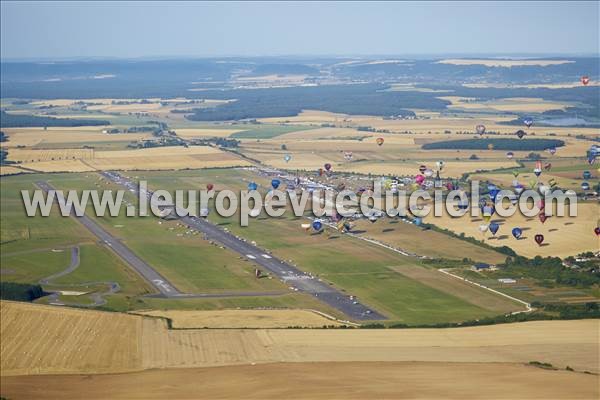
{"x":292,"y":276}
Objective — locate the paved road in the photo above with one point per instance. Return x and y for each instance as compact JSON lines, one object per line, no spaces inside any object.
{"x":97,"y":297}
{"x":289,"y":274}
{"x":157,"y":280}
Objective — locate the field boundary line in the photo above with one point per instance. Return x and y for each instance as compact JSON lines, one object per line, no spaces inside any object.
{"x":527,"y":305}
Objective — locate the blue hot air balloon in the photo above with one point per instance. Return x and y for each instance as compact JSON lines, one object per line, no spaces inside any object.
{"x":517,"y":232}
{"x":494,"y":194}
{"x":287,"y":158}
{"x":587,"y":174}
{"x":585,"y":186}
{"x":252,"y":186}
{"x":491,"y":187}
{"x":418,"y":221}
{"x":528,"y":121}
{"x":275,"y":183}
{"x":317,"y":225}
{"x":494,"y":228}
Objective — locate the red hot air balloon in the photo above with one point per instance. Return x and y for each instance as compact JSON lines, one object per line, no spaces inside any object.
{"x":542,"y":217}
{"x":380,"y":141}
{"x":585,"y":80}
{"x":327,"y":166}
{"x":539,"y":239}
{"x":209,"y":186}
{"x":542,"y":204}
{"x":419,"y":179}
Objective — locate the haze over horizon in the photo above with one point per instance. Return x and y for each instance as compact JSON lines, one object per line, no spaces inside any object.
{"x":45,"y":30}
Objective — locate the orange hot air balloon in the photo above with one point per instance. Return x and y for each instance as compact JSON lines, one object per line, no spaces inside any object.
{"x":585,"y":80}
{"x":380,"y":141}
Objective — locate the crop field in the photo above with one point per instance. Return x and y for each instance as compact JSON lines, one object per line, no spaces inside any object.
{"x":29,"y":156}
{"x":516,"y":104}
{"x":317,"y":381}
{"x":564,"y":236}
{"x":244,"y":318}
{"x":156,"y":158}
{"x":192,"y":133}
{"x":78,"y":341}
{"x":10,"y":170}
{"x":68,"y":137}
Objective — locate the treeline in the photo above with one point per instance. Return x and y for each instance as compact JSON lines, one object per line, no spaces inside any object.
{"x":21,"y":121}
{"x":499,"y":144}
{"x":20,"y":291}
{"x":549,"y":269}
{"x":346,"y":99}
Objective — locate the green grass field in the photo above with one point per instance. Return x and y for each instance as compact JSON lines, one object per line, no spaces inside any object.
{"x":267,"y":131}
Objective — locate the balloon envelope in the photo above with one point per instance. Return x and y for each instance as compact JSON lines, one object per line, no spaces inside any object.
{"x":380,"y":141}
{"x":517,"y":232}
{"x":494,"y":228}
{"x":327,"y":166}
{"x":317,"y":225}
{"x":539,"y":239}
{"x":252,"y":186}
{"x":275,"y":183}
{"x":209,"y":186}
{"x":520,"y":133}
{"x":480,"y":129}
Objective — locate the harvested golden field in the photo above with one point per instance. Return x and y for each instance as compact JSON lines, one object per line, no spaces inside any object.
{"x":434,"y":124}
{"x":26,"y":155}
{"x":10,"y":170}
{"x":87,"y":341}
{"x":357,"y":380}
{"x":79,"y":135}
{"x":191,"y":133}
{"x":452,"y":169}
{"x":243,"y":318}
{"x":564,"y":236}
{"x":155,"y":158}
{"x":37,"y":339}
{"x":59,"y":166}
{"x":513,"y":104}
{"x":503,"y":62}
{"x":416,"y":240}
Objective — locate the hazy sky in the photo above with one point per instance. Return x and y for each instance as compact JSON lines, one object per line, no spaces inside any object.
{"x":83,"y":29}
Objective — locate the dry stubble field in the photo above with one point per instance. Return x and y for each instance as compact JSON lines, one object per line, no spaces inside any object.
{"x":378,"y":362}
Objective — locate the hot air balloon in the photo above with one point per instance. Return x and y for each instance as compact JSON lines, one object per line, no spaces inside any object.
{"x":252,"y":186}
{"x":348,"y":155}
{"x":591,"y":158}
{"x":380,"y":141}
{"x":422,"y":168}
{"x":287,"y":158}
{"x":317,"y":225}
{"x":209,"y":186}
{"x":419,"y":179}
{"x":483,"y":228}
{"x":552,"y":150}
{"x":552,"y":183}
{"x":538,"y":168}
{"x":480,"y":129}
{"x":520,"y":133}
{"x":585,"y":80}
{"x":542,"y":217}
{"x":418,"y":221}
{"x":517,"y":232}
{"x":541,"y":204}
{"x":305,"y":226}
{"x":440,"y":165}
{"x":275,"y":183}
{"x":543,"y":189}
{"x":510,"y":155}
{"x":585,"y":186}
{"x":490,"y":146}
{"x":597,"y":231}
{"x":327,"y":166}
{"x":587,"y":174}
{"x":547,"y":167}
{"x":515,"y":173}
{"x":428,"y":173}
{"x":494,"y":228}
{"x":519,"y":189}
{"x":539,"y":239}
{"x":528,"y":121}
